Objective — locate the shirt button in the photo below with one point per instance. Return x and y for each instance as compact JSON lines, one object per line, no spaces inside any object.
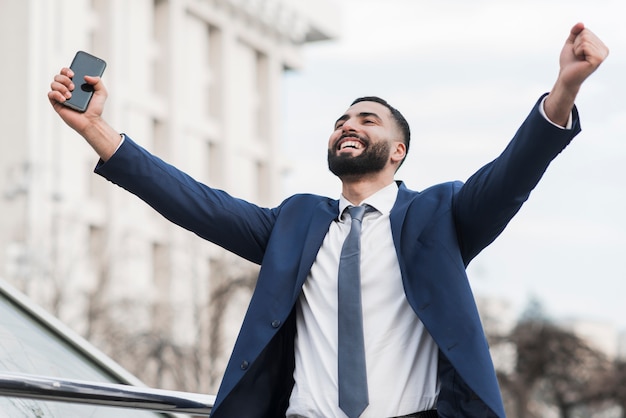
{"x":244,"y":365}
{"x":275,"y":323}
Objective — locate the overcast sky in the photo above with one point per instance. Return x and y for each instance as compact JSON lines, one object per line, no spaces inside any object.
{"x":465,"y":75}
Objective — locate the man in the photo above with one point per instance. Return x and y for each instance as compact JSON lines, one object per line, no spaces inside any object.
{"x":425,"y":353}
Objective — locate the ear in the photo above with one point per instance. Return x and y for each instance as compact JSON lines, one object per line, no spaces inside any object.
{"x":398,"y":152}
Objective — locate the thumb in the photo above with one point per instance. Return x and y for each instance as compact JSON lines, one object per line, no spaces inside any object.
{"x":98,"y":86}
{"x":94,"y":81}
{"x":575,"y":31}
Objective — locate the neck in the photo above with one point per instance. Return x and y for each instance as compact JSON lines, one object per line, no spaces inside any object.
{"x":356,"y":190}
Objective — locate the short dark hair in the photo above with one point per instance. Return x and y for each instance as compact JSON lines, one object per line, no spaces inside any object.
{"x":397,"y":117}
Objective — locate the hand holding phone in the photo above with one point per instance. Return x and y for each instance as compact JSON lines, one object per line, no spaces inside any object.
{"x":84,"y":64}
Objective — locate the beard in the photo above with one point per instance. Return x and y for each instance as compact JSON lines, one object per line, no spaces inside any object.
{"x":372,"y":160}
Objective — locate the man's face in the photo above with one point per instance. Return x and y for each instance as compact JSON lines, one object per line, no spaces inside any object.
{"x":361,"y":141}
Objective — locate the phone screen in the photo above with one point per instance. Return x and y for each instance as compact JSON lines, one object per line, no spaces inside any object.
{"x":84,"y":64}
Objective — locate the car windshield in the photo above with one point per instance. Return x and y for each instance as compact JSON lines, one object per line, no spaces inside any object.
{"x":29,"y":346}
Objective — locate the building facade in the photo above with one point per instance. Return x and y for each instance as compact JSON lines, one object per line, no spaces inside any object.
{"x":197,"y":82}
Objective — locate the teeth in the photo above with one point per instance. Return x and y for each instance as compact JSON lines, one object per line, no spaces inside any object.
{"x":350,"y":144}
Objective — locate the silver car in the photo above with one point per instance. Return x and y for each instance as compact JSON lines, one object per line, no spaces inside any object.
{"x":47,"y":370}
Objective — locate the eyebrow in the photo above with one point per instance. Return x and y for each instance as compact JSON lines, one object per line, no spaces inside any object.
{"x":360,"y":115}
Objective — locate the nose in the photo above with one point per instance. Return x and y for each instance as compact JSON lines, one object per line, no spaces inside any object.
{"x":348,"y":125}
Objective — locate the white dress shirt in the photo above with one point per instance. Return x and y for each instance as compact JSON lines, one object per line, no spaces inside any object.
{"x":401,"y":356}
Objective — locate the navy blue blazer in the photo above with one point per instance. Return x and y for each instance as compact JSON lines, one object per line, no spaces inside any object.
{"x":436,"y":233}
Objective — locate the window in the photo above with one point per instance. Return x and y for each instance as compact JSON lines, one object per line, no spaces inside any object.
{"x":28,"y":345}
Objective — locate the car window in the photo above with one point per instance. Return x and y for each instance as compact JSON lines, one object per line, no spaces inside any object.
{"x":28,"y":346}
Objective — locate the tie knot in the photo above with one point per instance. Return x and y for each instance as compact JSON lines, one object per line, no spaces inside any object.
{"x":357,"y":212}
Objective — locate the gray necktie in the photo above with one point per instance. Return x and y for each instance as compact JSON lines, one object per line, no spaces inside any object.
{"x":353,"y":397}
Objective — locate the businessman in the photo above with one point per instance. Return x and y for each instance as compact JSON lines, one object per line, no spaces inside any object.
{"x":408,"y":341}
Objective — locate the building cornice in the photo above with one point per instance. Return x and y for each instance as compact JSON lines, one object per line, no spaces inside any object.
{"x":296,"y":20}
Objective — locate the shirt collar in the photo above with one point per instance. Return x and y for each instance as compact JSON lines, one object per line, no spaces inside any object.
{"x":383,"y":200}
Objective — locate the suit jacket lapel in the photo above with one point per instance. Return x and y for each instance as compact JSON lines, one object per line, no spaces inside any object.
{"x":397,"y":215}
{"x":323,"y":215}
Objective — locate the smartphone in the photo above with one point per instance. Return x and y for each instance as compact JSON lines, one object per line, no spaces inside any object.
{"x":84,"y":64}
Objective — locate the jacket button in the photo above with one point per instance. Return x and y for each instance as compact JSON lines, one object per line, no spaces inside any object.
{"x":275,"y":323}
{"x":244,"y":365}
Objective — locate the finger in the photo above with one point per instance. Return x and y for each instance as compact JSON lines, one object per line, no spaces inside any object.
{"x":62,"y":88}
{"x":64,"y":81}
{"x":67,"y":72}
{"x":589,"y":47}
{"x":56,"y":97}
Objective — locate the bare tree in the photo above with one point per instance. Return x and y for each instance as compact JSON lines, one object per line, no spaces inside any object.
{"x":231,"y":276}
{"x":616,"y":385}
{"x":194,"y":365}
{"x":552,"y":367}
{"x":576,"y":374}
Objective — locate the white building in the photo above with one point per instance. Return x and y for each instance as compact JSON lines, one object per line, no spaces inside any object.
{"x":197,"y":82}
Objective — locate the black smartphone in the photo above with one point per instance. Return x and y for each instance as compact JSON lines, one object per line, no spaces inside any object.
{"x":84,"y":64}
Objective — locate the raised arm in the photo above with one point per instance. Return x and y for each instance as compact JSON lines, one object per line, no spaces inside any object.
{"x":90,"y":125}
{"x":494,"y":194}
{"x":581,"y":55}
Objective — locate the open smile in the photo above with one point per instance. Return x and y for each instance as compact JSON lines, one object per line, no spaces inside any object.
{"x":349,"y":142}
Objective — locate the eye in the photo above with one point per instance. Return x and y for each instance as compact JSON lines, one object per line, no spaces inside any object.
{"x":368,"y":121}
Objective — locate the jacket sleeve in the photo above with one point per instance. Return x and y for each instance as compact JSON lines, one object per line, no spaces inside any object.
{"x":234,"y":224}
{"x":488,"y":200}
